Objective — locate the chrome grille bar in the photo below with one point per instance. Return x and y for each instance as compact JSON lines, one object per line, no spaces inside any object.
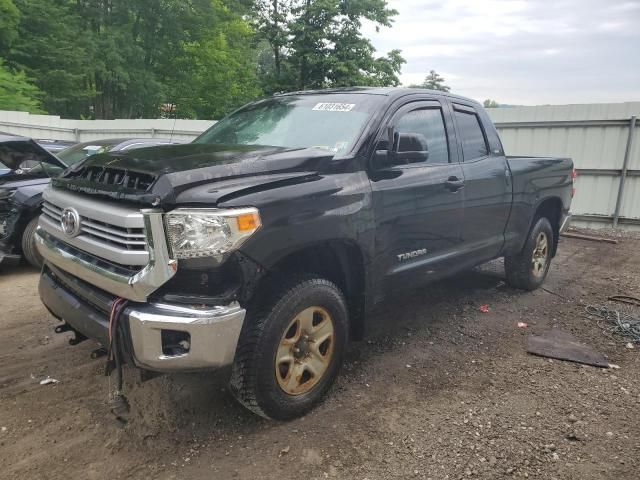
{"x":107,"y":230}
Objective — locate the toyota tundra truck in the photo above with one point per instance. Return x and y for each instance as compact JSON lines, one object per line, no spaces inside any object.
{"x":264,"y":244}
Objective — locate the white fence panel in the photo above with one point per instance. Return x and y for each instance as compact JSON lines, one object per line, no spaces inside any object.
{"x":595,"y":136}
{"x":54,"y":127}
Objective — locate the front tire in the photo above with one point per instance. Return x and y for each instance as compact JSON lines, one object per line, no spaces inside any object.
{"x":29,"y":249}
{"x":290,"y":352}
{"x":528,"y":269}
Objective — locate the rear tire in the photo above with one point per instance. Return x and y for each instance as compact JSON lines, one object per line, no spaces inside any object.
{"x":291,"y":350}
{"x":29,"y":249}
{"x":528,"y":269}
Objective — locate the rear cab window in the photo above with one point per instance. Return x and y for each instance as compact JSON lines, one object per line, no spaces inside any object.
{"x":471,"y":135}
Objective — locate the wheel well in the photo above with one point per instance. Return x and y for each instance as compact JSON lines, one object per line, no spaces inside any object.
{"x":551,"y":209}
{"x":338,"y":261}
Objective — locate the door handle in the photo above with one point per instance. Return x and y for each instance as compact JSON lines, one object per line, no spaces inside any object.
{"x":454,"y":184}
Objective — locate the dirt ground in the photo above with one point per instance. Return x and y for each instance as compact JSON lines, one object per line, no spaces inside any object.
{"x":439,"y":390}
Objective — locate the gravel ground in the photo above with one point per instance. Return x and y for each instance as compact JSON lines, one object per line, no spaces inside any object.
{"x":439,"y":390}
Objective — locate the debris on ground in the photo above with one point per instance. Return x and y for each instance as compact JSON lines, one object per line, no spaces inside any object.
{"x":561,"y":345}
{"x":619,"y":323}
{"x":589,"y":237}
{"x":284,"y":451}
{"x":625,"y":299}
{"x":49,"y":381}
{"x":484,"y":308}
{"x":522,"y":325}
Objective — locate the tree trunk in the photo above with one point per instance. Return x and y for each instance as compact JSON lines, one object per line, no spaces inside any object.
{"x":276,"y":43}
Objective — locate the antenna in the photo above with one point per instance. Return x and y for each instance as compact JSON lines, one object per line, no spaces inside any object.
{"x":175,"y":118}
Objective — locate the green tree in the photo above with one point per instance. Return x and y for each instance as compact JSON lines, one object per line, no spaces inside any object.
{"x":318,"y":44}
{"x":221,"y":70}
{"x":127,"y":58}
{"x":17,"y":93}
{"x":272,"y":25}
{"x":488,"y":103}
{"x":52,"y":49}
{"x":433,"y":81}
{"x":9,"y":18}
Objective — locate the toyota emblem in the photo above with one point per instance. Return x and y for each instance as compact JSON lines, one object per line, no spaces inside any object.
{"x":70,"y":222}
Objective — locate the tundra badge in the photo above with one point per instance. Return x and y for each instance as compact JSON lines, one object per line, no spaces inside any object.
{"x":414,"y":254}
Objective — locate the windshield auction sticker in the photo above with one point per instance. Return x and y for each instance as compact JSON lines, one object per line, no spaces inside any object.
{"x":334,"y":107}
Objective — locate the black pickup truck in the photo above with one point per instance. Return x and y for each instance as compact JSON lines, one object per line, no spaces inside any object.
{"x":264,"y":243}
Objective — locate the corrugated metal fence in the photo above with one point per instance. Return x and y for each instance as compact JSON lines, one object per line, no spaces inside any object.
{"x":56,"y":128}
{"x":597,"y":136}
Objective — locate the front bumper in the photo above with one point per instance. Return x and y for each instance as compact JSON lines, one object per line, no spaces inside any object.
{"x":211,"y":332}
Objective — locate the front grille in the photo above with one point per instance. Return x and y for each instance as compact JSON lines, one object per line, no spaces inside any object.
{"x":126,"y":238}
{"x":126,"y":179}
{"x":109,"y":231}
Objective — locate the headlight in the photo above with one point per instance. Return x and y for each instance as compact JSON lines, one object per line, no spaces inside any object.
{"x":209,"y":232}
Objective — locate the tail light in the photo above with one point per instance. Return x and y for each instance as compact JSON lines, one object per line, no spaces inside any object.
{"x":574,"y":175}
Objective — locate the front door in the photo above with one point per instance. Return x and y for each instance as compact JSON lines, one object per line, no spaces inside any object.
{"x":418,"y":205}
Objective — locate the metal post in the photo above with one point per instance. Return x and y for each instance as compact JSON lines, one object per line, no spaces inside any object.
{"x":625,"y":165}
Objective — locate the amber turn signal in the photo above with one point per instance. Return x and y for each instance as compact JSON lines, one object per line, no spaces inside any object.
{"x":248,"y":221}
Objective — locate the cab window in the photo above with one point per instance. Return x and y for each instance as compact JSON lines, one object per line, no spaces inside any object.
{"x":427,"y":124}
{"x":474,"y":145}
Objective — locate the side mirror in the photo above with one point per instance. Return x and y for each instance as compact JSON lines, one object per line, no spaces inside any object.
{"x":401,"y":149}
{"x":409,"y":148}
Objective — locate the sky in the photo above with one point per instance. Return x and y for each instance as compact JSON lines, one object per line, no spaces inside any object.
{"x":523,"y":52}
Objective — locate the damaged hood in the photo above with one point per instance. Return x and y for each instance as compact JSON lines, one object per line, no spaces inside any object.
{"x":15,"y":151}
{"x":186,"y":173}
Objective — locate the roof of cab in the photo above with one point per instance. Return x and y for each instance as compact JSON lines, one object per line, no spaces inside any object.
{"x":393,"y":92}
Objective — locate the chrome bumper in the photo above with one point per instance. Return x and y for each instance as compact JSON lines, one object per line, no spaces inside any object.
{"x":213,"y":336}
{"x":565,"y":222}
{"x":136,"y":287}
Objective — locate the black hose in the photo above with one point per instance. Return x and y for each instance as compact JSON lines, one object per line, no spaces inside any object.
{"x":119,"y":403}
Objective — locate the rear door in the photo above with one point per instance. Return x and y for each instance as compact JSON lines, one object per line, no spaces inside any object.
{"x":487,"y":187}
{"x":418,"y":206}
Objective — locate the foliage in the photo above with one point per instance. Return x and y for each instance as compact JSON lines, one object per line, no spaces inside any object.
{"x":9,"y":18}
{"x":488,"y":103}
{"x":318,"y":44}
{"x":199,"y":59}
{"x":17,"y":93}
{"x":50,"y":48}
{"x":433,"y":81}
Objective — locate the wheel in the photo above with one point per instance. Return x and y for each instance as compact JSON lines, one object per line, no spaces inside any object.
{"x":289,"y":353}
{"x":529,"y":268}
{"x":29,"y":250}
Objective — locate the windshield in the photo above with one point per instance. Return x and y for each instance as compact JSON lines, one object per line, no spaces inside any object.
{"x":81,"y":151}
{"x":329,"y":121}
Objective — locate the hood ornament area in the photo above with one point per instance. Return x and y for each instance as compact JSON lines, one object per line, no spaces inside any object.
{"x":70,"y":222}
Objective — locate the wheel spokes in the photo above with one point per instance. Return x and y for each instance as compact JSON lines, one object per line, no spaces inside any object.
{"x":305,"y":351}
{"x":321,"y":331}
{"x":306,"y":319}
{"x":315,"y":363}
{"x":284,"y":353}
{"x":294,"y":377}
{"x":540,"y":253}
